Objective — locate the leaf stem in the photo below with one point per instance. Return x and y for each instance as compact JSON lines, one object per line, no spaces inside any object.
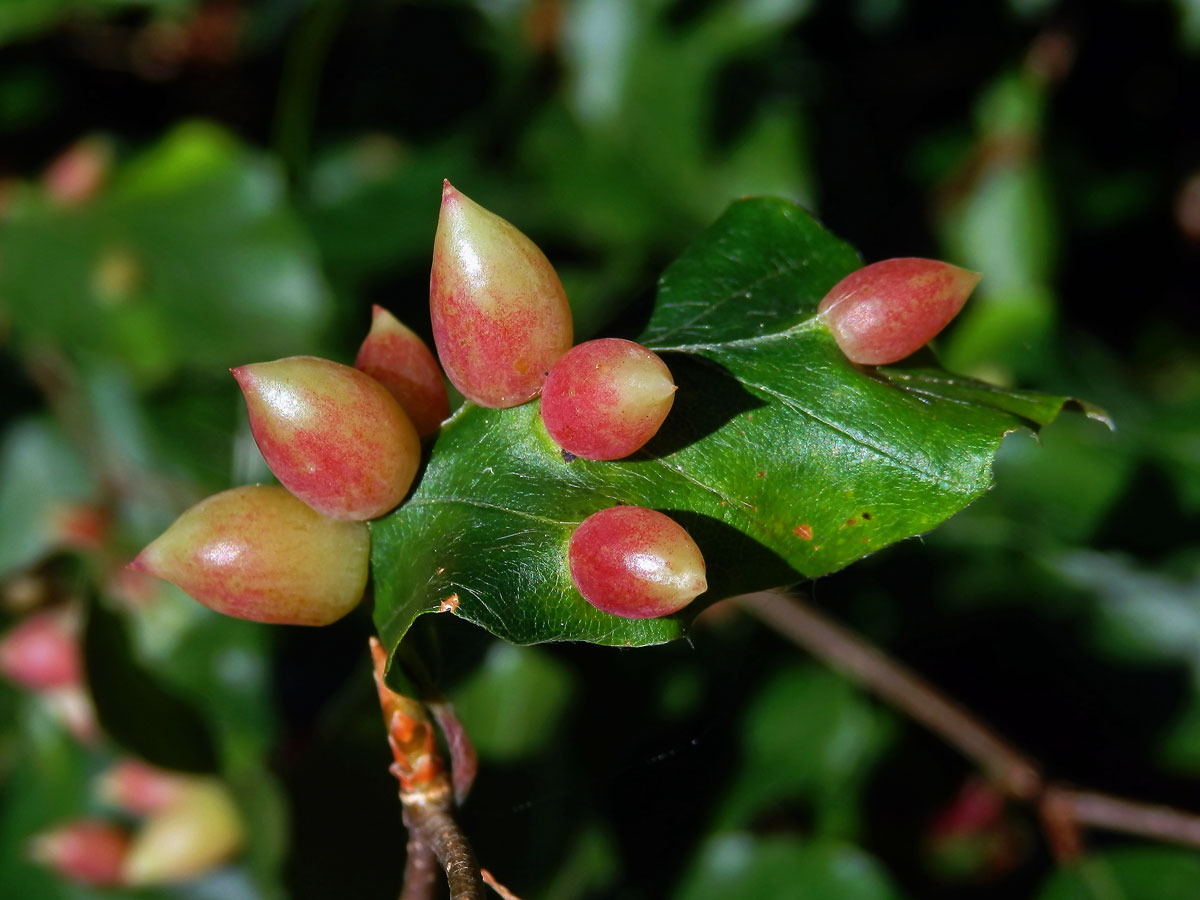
{"x":1064,"y":810}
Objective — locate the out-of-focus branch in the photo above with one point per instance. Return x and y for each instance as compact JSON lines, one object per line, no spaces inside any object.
{"x":1007,"y":767}
{"x":1064,"y":811}
{"x":420,"y":867}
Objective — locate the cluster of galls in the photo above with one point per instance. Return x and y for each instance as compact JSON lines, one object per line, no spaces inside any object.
{"x":185,"y":825}
{"x":188,"y":826}
{"x":503,"y":331}
{"x":345,"y":442}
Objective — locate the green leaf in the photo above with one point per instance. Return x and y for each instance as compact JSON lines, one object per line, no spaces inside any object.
{"x":782,"y":459}
{"x":512,"y":704}
{"x":1139,"y":614}
{"x":821,"y":756}
{"x":190,"y":259}
{"x":24,"y":18}
{"x":41,"y":478}
{"x":781,"y":868}
{"x":1152,"y":873}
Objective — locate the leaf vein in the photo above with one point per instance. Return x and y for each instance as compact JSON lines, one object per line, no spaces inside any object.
{"x":480,"y":504}
{"x":885,"y":452}
{"x":744,"y":290}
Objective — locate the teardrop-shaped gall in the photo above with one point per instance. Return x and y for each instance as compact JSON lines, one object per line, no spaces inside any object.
{"x":85,"y":851}
{"x":398,"y":359}
{"x":606,"y":398}
{"x":136,"y":787}
{"x":500,"y":315}
{"x":888,"y":310}
{"x":635,"y":563}
{"x":332,"y":435}
{"x":259,"y":553}
{"x":42,"y":651}
{"x":198,"y":831}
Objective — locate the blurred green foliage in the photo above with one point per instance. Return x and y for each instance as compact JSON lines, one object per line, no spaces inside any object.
{"x":275,"y":169}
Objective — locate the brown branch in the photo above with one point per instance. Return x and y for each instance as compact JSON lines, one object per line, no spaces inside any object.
{"x":1064,"y":811}
{"x":426,"y":796}
{"x":850,"y":654}
{"x":1098,"y":810}
{"x":429,"y":815}
{"x":420,"y":867}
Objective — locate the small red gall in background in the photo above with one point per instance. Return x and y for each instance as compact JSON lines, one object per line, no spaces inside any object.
{"x":41,"y":652}
{"x":500,"y":315}
{"x":398,"y":359}
{"x":85,"y":851}
{"x":140,"y":788}
{"x":80,"y":172}
{"x":888,"y":310}
{"x":635,"y":563}
{"x":604,"y":399}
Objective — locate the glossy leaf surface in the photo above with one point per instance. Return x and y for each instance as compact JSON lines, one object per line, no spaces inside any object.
{"x":782,"y":459}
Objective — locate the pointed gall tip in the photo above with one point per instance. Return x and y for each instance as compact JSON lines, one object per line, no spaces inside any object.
{"x":86,"y":852}
{"x":377,"y":311}
{"x":149,"y":560}
{"x":449,"y":192}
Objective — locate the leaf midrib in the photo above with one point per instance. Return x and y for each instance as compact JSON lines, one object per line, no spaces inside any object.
{"x":742,"y":291}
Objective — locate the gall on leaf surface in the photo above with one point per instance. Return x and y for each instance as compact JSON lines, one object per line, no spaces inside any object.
{"x":782,"y":459}
{"x":892,"y":308}
{"x":635,"y":563}
{"x":604,"y":399}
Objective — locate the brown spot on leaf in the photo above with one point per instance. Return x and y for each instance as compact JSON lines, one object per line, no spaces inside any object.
{"x":804,"y":532}
{"x":761,"y":473}
{"x":450,"y":604}
{"x":851,"y":522}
